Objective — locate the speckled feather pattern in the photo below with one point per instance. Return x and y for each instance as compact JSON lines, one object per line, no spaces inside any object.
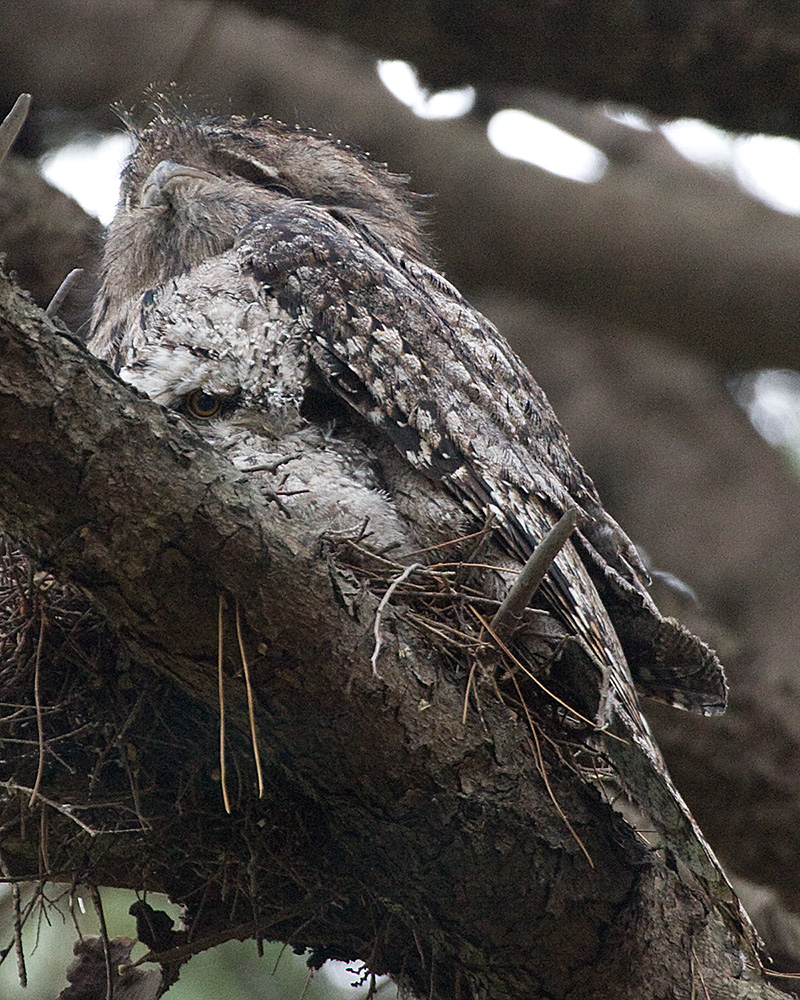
{"x":260,"y":262}
{"x":284,"y":277}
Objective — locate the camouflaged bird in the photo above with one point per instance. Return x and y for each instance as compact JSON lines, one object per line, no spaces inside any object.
{"x":274,"y":286}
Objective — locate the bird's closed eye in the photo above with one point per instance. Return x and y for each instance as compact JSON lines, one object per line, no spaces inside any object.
{"x":204,"y":405}
{"x":279,"y":188}
{"x":250,"y":169}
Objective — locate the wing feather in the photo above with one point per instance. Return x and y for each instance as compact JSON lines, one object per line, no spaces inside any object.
{"x":445,"y":388}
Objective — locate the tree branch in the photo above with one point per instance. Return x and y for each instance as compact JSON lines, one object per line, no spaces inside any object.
{"x":633,"y":248}
{"x":390,"y":831}
{"x":678,"y":464}
{"x":44,"y":235}
{"x":732,"y":63}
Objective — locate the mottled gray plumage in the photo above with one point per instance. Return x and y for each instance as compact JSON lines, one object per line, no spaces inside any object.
{"x":276,"y":282}
{"x":285,"y":273}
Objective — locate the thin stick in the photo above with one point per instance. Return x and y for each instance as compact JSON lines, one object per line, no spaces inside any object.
{"x":474,"y":565}
{"x":182,"y":952}
{"x":44,"y":836}
{"x":250,"y":708}
{"x":94,"y":892}
{"x":16,"y":898}
{"x":535,"y":570}
{"x":470,"y":679}
{"x":37,"y":702}
{"x":451,"y":541}
{"x":65,"y":809}
{"x":271,"y":466}
{"x":61,"y":292}
{"x":700,"y":974}
{"x":475,"y":550}
{"x":376,"y":629}
{"x":22,"y":971}
{"x":12,"y":123}
{"x":540,"y":767}
{"x":308,"y":983}
{"x":527,"y":672}
{"x":220,"y":679}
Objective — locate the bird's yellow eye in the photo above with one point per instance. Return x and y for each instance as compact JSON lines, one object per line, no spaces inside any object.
{"x":203,"y":404}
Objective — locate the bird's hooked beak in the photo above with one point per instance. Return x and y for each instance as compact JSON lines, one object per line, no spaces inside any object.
{"x":155,"y":190}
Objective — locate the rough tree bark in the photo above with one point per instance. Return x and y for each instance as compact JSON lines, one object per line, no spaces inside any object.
{"x":427,"y":847}
{"x":605,"y":384}
{"x":709,"y":502}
